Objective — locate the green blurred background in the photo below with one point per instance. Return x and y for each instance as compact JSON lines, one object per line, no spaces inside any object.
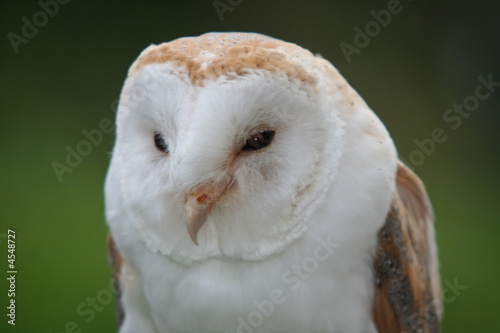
{"x":66,"y":78}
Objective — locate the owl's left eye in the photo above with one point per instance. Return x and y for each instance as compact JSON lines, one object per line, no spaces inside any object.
{"x":258,"y":140}
{"x":160,"y":142}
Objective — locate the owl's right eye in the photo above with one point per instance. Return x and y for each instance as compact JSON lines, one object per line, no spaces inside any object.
{"x":160,"y":142}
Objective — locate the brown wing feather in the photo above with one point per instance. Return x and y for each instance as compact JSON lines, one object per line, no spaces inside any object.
{"x":408,"y":294}
{"x":116,"y":262}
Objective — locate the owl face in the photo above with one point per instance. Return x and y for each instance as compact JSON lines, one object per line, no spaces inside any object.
{"x":225,"y":164}
{"x":229,"y":152}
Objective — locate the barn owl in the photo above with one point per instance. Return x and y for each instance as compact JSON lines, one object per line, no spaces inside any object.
{"x":251,"y":189}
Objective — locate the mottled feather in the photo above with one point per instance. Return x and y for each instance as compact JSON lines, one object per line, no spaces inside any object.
{"x":116,"y":261}
{"x":408,"y":295}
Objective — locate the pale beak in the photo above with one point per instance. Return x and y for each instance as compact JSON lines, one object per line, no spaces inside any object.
{"x":199,"y":203}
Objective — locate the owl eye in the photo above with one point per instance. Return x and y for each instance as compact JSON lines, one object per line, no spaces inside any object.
{"x":160,"y":142}
{"x":258,"y":140}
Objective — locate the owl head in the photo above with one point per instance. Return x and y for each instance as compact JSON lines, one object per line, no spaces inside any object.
{"x":229,"y":144}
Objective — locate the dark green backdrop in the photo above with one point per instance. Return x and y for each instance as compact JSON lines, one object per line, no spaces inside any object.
{"x":67,"y":73}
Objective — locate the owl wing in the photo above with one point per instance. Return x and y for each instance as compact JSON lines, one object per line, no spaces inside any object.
{"x":116,"y":262}
{"x":408,"y":290}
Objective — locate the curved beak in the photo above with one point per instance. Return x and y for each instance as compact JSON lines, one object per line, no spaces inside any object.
{"x":200,"y":202}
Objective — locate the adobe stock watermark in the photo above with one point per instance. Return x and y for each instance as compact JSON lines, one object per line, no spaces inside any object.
{"x":292,"y":279}
{"x":450,"y":292}
{"x":222,"y":6}
{"x":92,"y":138}
{"x":31,"y":26}
{"x":89,"y":308}
{"x":453,"y":117}
{"x":363,"y":37}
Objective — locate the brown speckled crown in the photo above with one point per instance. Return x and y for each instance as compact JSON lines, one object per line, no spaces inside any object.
{"x":213,"y":54}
